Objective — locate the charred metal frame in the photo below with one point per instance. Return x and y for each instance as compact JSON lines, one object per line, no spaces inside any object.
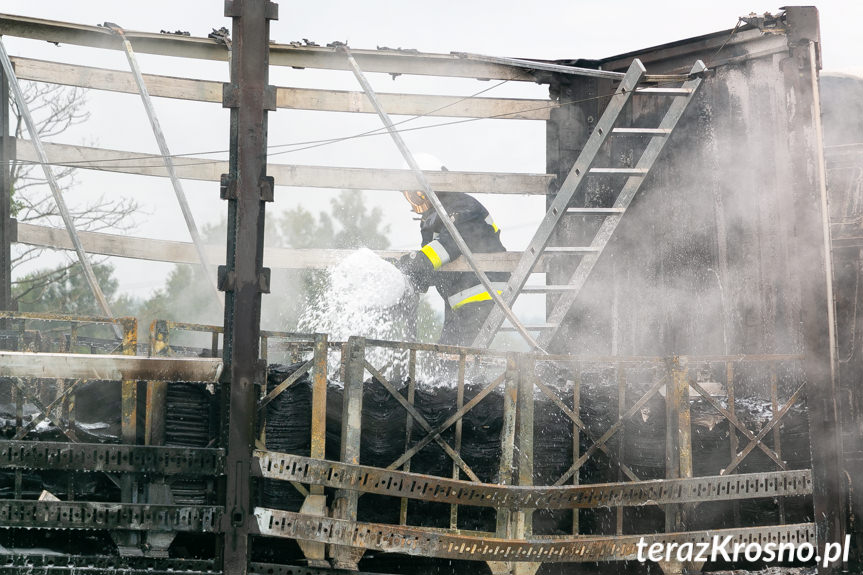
{"x":247,"y":187}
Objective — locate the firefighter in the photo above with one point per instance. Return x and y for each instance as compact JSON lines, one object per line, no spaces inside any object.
{"x":467,"y":303}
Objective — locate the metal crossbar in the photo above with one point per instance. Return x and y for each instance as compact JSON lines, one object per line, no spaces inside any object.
{"x":69,"y":223}
{"x":45,"y":414}
{"x":612,"y":430}
{"x":288,"y":382}
{"x":421,"y":421}
{"x":446,"y":424}
{"x":167,"y":158}
{"x":764,"y":430}
{"x":581,"y":425}
{"x":732,"y":419}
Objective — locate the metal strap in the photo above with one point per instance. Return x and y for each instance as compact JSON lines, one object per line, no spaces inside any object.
{"x":435,"y":202}
{"x":110,"y":458}
{"x":92,"y":515}
{"x":298,"y":468}
{"x":167,"y":158}
{"x":425,"y":542}
{"x":24,"y":110}
{"x":55,"y":564}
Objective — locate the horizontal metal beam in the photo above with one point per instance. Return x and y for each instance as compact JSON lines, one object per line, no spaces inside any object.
{"x":205,"y":169}
{"x":108,"y":367}
{"x":57,"y":564}
{"x":111,"y":458}
{"x":280,"y":258}
{"x":296,"y":56}
{"x":302,"y":469}
{"x":92,"y":515}
{"x":419,"y":541}
{"x":287,"y":98}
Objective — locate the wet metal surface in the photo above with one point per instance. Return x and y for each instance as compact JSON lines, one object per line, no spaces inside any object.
{"x":416,"y":486}
{"x":110,"y":457}
{"x":418,"y":541}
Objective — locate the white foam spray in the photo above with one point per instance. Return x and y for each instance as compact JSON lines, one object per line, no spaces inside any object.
{"x":361,"y":298}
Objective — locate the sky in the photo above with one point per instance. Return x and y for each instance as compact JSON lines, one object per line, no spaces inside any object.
{"x":544,"y":30}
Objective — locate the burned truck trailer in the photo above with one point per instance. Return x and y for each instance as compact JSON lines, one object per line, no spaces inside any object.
{"x":695,"y":359}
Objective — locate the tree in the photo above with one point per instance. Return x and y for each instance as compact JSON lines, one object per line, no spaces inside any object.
{"x":55,"y":110}
{"x":349,"y":224}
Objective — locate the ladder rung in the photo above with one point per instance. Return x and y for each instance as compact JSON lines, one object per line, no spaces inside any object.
{"x":642,"y":131}
{"x":664,"y":91}
{"x":529,"y":327}
{"x":595,"y":211}
{"x":620,"y":171}
{"x":571,"y":249}
{"x":546,"y":289}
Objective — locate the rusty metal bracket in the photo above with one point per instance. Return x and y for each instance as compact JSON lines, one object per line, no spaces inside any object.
{"x":108,"y":516}
{"x":110,"y":458}
{"x":419,"y":541}
{"x":301,"y":469}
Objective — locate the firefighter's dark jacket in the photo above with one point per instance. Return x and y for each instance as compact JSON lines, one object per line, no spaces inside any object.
{"x":481,"y":235}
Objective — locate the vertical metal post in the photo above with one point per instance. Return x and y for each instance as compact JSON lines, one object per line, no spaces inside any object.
{"x":127,"y":541}
{"x":507,"y":439}
{"x":732,"y":431}
{"x":813,"y":257}
{"x":315,"y":502}
{"x":18,"y":397}
{"x":777,"y":440}
{"x":345,"y":501}
{"x":243,"y":278}
{"x":621,"y":443}
{"x":453,"y":510}
{"x":7,"y":225}
{"x":526,"y":385}
{"x":409,"y":425}
{"x":684,"y":432}
{"x":157,"y":391}
{"x":129,"y":428}
{"x":576,"y":439}
{"x":319,"y":403}
{"x":672,"y":446}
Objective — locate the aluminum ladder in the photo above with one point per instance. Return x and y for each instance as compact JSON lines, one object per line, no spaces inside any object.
{"x":680,"y":97}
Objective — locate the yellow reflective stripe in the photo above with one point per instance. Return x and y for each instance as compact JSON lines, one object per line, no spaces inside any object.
{"x":493,"y":225}
{"x":432,"y":255}
{"x":475,"y":298}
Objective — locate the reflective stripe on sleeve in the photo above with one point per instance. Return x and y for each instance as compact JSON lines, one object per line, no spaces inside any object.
{"x":493,"y":225}
{"x":436,"y":254}
{"x":473,"y":294}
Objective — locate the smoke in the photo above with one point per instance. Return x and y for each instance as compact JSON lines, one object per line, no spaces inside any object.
{"x":707,"y":260}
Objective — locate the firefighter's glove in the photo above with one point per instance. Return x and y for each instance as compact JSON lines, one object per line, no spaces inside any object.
{"x":418,"y":269}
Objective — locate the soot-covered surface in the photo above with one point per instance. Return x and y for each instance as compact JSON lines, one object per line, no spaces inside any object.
{"x":383,"y":441}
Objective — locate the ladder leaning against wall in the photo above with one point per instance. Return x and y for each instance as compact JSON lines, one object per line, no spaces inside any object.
{"x":679,"y":99}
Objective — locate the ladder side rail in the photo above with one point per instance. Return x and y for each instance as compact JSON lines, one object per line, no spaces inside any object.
{"x":651,"y":153}
{"x":561,"y":201}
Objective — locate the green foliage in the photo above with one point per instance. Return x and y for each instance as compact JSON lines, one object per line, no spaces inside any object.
{"x":186,"y":295}
{"x":64,"y":290}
